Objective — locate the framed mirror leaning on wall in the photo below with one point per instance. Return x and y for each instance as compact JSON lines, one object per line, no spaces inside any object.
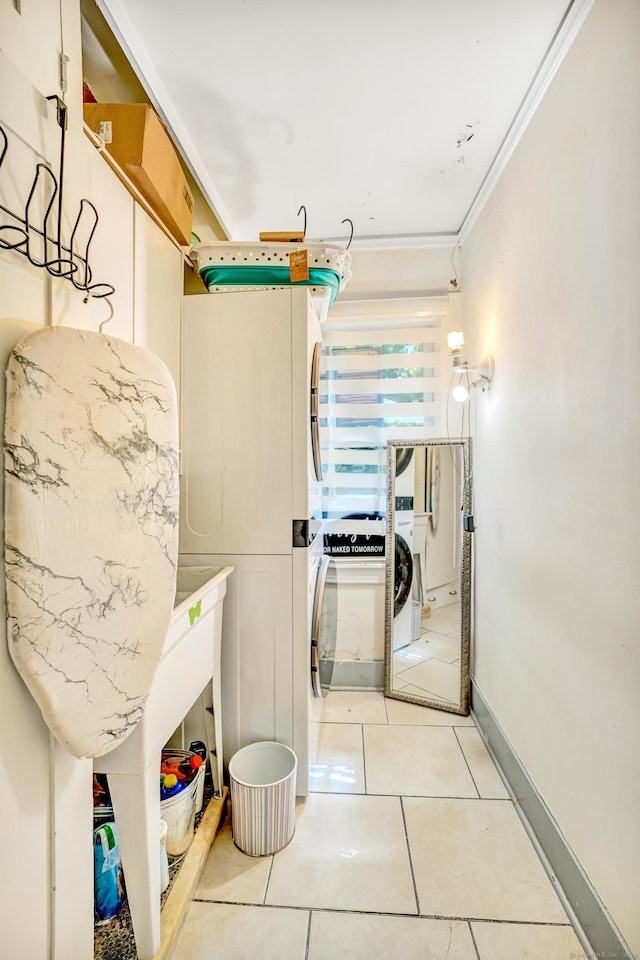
{"x":428,"y":573}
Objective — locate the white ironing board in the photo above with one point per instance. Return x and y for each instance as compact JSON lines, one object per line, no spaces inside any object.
{"x":91,"y":528}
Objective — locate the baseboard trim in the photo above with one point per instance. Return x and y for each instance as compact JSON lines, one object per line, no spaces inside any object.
{"x":594,"y":926}
{"x":352,"y":674}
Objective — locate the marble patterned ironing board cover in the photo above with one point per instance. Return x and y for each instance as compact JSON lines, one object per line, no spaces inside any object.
{"x":91,"y":528}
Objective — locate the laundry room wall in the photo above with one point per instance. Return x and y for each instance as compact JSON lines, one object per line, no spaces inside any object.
{"x":401,"y":271}
{"x":549,"y":278}
{"x":46,"y":888}
{"x":35,"y":770}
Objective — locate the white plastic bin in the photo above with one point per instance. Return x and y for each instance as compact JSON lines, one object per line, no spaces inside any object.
{"x":263,"y":797}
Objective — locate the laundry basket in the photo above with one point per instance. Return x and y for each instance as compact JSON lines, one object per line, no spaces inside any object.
{"x":263,"y":797}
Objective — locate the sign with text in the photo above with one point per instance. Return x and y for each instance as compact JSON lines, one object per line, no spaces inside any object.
{"x":354,"y":545}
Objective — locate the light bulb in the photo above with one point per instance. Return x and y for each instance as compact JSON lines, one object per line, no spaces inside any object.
{"x":460,"y":393}
{"x":455,"y":340}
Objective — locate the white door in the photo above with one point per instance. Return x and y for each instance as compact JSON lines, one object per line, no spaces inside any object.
{"x":237,"y":460}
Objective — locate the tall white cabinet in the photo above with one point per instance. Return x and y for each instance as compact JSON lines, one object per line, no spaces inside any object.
{"x":250,"y":498}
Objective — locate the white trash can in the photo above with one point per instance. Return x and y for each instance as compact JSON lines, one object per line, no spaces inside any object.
{"x":263,"y":797}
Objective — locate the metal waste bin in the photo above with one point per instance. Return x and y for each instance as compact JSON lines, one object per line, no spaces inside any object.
{"x":263,"y":797}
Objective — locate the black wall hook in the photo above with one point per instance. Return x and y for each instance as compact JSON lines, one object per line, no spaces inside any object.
{"x":304,"y":228}
{"x":66,"y":263}
{"x":351,"y":237}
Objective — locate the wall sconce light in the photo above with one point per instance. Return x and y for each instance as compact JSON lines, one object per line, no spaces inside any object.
{"x":484,"y":369}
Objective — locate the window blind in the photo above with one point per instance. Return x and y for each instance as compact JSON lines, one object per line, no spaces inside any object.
{"x":380,"y":382}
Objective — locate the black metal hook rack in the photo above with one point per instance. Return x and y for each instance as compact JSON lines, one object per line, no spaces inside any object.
{"x":60,"y":261}
{"x":303,"y":210}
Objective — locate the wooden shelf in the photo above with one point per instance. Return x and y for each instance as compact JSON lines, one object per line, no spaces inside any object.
{"x":99,"y":144}
{"x":116,"y":940}
{"x":184,"y":886}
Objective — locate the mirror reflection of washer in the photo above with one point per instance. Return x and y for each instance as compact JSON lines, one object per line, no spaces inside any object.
{"x":404,"y":455}
{"x":403,"y":582}
{"x":403,"y":574}
{"x":405,"y":472}
{"x":403,"y":546}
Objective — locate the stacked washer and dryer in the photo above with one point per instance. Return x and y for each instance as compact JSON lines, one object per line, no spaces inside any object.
{"x":251,"y":498}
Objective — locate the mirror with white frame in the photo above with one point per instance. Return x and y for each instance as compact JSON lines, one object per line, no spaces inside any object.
{"x":428,"y":573}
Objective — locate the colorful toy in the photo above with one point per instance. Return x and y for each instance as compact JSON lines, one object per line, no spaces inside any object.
{"x":176,"y":773}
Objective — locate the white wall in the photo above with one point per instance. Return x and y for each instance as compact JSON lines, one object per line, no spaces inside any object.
{"x":402,"y":272}
{"x":45,"y":795}
{"x":33,"y":828}
{"x":549,"y":274}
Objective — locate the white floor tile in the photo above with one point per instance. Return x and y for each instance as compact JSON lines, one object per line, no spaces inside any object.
{"x":406,"y":656}
{"x":443,"y":619}
{"x":339,"y":766}
{"x":399,"y":711}
{"x":483,"y":770}
{"x":472,"y":858}
{"x":350,"y":936}
{"x":429,"y":645}
{"x":232,"y":876}
{"x":416,"y":761}
{"x":517,"y":941}
{"x":244,"y":933}
{"x":347,"y":853}
{"x":434,"y":677}
{"x":354,"y":707}
{"x":441,"y":647}
{"x":412,"y":691}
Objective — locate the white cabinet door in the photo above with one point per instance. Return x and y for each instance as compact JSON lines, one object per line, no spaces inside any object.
{"x":237,"y":424}
{"x":31,"y":38}
{"x":257,"y":648}
{"x":157,"y":298}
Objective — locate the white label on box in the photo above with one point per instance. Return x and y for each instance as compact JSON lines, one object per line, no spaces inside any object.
{"x":106,"y":131}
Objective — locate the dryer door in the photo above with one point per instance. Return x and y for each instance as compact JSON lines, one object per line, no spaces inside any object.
{"x":315,"y":413}
{"x":321,"y":578}
{"x":403,"y":459}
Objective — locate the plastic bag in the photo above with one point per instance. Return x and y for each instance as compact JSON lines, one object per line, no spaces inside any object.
{"x":108,"y":876}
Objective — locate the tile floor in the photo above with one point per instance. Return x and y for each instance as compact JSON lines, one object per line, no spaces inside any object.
{"x":407,"y":847}
{"x":430,"y":666}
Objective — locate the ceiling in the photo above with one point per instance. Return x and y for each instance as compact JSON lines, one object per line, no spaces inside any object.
{"x":394,"y":115}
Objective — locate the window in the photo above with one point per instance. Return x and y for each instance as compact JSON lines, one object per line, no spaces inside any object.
{"x":381,"y":381}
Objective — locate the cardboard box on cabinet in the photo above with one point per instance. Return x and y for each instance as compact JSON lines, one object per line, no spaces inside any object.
{"x":137,"y":140}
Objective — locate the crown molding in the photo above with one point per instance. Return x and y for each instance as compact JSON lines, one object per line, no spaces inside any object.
{"x":411,"y":241}
{"x":120,"y":24}
{"x":560,"y":44}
